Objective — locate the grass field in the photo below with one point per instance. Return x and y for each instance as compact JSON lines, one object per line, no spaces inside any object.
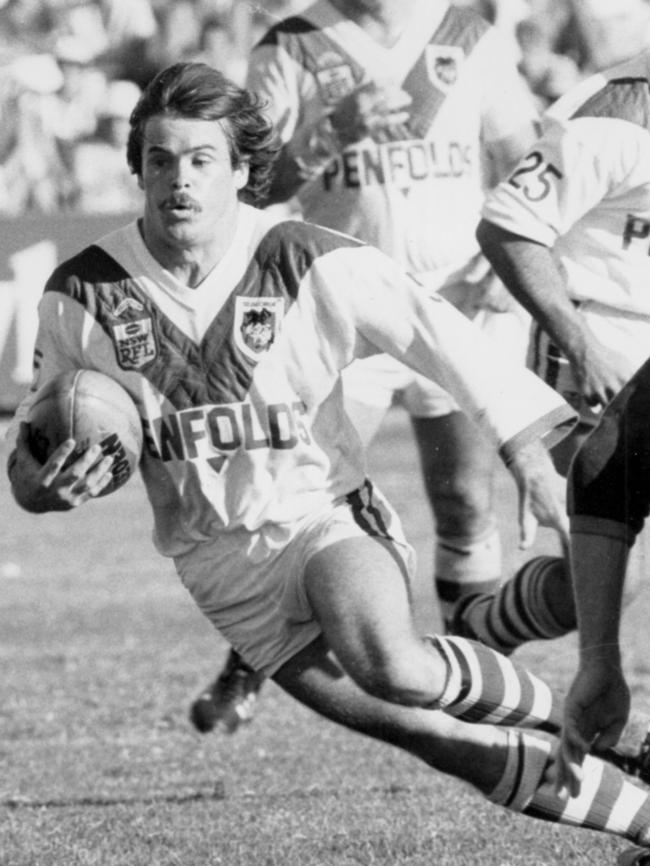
{"x":101,"y":652}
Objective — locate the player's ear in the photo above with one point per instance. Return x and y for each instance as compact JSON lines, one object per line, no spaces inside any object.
{"x":140,"y":181}
{"x":241,"y":174}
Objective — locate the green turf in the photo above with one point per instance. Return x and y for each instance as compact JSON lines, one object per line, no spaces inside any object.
{"x":101,"y":652}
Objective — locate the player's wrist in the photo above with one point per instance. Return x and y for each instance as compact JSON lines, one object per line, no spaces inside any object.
{"x":605,"y":655}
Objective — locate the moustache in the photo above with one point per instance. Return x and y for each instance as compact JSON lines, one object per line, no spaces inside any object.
{"x":180,"y":200}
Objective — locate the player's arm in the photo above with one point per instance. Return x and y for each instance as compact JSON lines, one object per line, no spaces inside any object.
{"x":514,"y":408}
{"x":554,"y":185}
{"x":530,"y":272}
{"x":310,"y":143}
{"x":609,"y":501}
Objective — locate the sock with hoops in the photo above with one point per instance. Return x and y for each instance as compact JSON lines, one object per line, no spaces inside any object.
{"x":485,"y":686}
{"x":607,"y":801}
{"x":465,"y":566}
{"x":536,"y":604}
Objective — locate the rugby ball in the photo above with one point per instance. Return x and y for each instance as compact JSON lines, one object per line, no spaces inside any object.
{"x":90,"y":408}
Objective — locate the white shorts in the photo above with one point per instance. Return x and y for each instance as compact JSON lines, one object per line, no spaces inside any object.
{"x":380,"y":381}
{"x":251,"y":585}
{"x":626,"y":333}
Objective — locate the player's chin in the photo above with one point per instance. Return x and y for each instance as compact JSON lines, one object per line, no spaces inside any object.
{"x":183,"y":232}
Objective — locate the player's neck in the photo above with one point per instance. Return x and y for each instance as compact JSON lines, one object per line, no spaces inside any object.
{"x":189,"y":264}
{"x":383,"y":20}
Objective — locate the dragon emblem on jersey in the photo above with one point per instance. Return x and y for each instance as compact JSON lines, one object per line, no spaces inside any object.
{"x":443,"y":65}
{"x":335,"y":78}
{"x":135,"y":343}
{"x":257,"y":323}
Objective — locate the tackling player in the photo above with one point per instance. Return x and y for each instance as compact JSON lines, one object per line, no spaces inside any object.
{"x":394,"y":116}
{"x":254,"y":472}
{"x":569,"y":234}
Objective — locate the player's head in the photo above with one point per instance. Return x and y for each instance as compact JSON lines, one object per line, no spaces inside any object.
{"x":197,"y":91}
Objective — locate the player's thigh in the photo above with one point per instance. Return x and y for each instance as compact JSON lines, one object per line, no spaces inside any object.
{"x":316,"y":679}
{"x":358,"y":590}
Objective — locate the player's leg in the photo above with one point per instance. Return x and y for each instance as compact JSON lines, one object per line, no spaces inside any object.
{"x":511,"y":768}
{"x":458,"y":470}
{"x":357,"y":590}
{"x":535,"y":604}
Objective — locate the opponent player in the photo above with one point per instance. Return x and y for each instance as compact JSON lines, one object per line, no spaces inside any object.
{"x":569,"y":234}
{"x":609,"y":501}
{"x":254,"y":471}
{"x":394,"y":115}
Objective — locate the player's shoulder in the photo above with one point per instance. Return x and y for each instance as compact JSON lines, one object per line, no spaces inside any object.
{"x":290,"y":248}
{"x":91,"y":266}
{"x":461,"y":24}
{"x":293,"y":27}
{"x":625,"y":98}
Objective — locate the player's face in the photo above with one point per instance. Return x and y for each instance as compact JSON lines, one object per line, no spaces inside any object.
{"x":189,"y":183}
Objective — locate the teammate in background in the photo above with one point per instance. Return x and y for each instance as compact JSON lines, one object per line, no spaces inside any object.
{"x":569,"y":234}
{"x":394,"y":116}
{"x":254,"y":472}
{"x":609,"y":501}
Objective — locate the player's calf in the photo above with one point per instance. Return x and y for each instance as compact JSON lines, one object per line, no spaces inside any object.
{"x":535,"y":604}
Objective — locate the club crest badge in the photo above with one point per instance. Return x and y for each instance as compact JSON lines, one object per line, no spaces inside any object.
{"x":257,"y":324}
{"x":443,"y":65}
{"x":335,"y":78}
{"x":135,"y":343}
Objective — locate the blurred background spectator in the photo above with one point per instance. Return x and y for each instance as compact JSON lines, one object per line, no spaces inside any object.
{"x":70,"y":71}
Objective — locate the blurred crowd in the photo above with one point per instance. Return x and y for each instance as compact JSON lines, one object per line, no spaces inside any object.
{"x":71,"y":71}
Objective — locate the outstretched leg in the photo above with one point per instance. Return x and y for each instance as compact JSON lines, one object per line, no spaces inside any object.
{"x":513,"y":769}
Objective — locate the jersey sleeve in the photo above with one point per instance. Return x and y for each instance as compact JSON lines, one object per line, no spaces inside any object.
{"x":375,"y":307}
{"x":563,"y":176}
{"x":609,"y":482}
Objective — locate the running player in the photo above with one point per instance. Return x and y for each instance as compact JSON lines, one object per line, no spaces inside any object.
{"x":394,"y":116}
{"x":253,"y":470}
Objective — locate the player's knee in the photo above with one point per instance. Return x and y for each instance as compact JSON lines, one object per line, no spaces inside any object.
{"x":411,"y":680}
{"x":461,"y":507}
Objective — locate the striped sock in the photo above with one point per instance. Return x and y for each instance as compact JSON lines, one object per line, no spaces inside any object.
{"x":520,"y":610}
{"x":485,"y":686}
{"x":607,"y":801}
{"x":465,"y":566}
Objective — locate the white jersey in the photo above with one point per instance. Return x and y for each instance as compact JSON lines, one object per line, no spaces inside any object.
{"x":584,"y":190}
{"x":417,"y":198}
{"x":237,"y":381}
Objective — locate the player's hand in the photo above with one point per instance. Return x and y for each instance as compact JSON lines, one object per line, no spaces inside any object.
{"x":601,"y":373}
{"x":378,"y":111}
{"x":61,"y":483}
{"x":541,"y":499}
{"x":595,"y":713}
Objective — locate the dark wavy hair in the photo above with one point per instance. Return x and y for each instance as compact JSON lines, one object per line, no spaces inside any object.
{"x":200,"y":92}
